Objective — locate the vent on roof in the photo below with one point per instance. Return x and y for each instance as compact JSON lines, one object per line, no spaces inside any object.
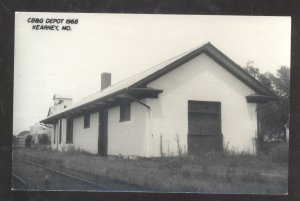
{"x":105,"y":80}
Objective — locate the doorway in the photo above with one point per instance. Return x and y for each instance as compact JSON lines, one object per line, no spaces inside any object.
{"x":204,"y":127}
{"x":102,"y":132}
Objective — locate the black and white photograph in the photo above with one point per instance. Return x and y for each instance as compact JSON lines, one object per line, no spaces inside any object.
{"x":151,"y":103}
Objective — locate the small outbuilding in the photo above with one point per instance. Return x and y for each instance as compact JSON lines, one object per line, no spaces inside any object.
{"x":193,"y":103}
{"x":23,"y":139}
{"x":37,"y":131}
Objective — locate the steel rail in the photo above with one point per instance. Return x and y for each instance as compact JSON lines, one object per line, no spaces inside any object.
{"x":23,"y":182}
{"x":19,"y":179}
{"x":63,"y":173}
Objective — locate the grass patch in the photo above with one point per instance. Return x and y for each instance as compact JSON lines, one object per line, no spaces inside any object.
{"x":279,"y":153}
{"x":210,"y":173}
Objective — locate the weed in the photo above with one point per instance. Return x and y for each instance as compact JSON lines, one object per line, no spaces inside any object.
{"x":63,"y":148}
{"x":179,"y":149}
{"x":252,"y":177}
{"x":186,"y":173}
{"x":71,"y":149}
{"x":161,"y":146}
{"x":228,"y":172}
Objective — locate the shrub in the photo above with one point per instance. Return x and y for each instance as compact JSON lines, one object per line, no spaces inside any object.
{"x":280,"y":153}
{"x":44,"y":139}
{"x":230,"y":150}
{"x":28,"y":141}
{"x":14,"y":140}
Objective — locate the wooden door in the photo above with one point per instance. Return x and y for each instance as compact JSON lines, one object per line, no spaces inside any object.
{"x":102,"y":132}
{"x":204,"y":127}
{"x":69,"y":136}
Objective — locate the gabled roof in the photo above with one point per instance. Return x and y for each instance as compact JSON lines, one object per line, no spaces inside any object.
{"x":139,"y":82}
{"x":54,"y":110}
{"x":217,"y":56}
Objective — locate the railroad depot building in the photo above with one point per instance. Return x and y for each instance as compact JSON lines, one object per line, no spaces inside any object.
{"x":193,"y":103}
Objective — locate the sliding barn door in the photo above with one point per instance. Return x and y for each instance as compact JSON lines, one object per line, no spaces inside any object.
{"x":204,"y":127}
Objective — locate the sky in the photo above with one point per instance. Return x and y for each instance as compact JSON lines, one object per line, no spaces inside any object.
{"x":71,"y":62}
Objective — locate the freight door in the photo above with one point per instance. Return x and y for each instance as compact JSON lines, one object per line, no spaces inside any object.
{"x":204,"y":127}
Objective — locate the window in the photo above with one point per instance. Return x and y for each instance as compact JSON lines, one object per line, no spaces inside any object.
{"x":69,"y":139}
{"x":125,"y":111}
{"x":86,"y":123}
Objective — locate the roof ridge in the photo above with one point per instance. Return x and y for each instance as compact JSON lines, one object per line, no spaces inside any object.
{"x":159,"y":64}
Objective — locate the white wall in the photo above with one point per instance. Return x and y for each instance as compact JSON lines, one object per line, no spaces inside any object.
{"x":59,"y":145}
{"x":200,"y":79}
{"x":53,"y":144}
{"x":128,"y":137}
{"x":83,"y":138}
{"x":86,"y":138}
{"x":204,"y":80}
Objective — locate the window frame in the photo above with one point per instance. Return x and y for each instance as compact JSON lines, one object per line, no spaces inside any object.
{"x":125,"y":111}
{"x":86,"y":120}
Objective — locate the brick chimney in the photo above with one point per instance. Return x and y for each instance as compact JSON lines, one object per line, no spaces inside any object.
{"x":105,"y":80}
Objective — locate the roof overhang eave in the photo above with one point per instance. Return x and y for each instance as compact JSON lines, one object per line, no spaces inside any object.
{"x":54,"y":118}
{"x":104,"y":101}
{"x":255,"y":98}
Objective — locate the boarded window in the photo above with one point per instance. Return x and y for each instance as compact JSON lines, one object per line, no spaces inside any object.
{"x":125,"y":111}
{"x":69,"y":139}
{"x":86,"y":123}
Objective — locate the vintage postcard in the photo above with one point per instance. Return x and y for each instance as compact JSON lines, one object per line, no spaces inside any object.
{"x":155,"y":103}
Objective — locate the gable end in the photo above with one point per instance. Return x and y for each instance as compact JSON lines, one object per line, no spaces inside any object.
{"x":218,"y":57}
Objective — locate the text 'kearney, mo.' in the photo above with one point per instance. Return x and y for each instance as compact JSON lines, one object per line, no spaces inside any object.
{"x":52,"y":24}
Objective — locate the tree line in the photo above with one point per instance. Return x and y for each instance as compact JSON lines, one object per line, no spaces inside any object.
{"x":273,"y":116}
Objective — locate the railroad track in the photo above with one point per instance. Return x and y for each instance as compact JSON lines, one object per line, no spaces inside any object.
{"x":71,"y":178}
{"x":18,"y":182}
